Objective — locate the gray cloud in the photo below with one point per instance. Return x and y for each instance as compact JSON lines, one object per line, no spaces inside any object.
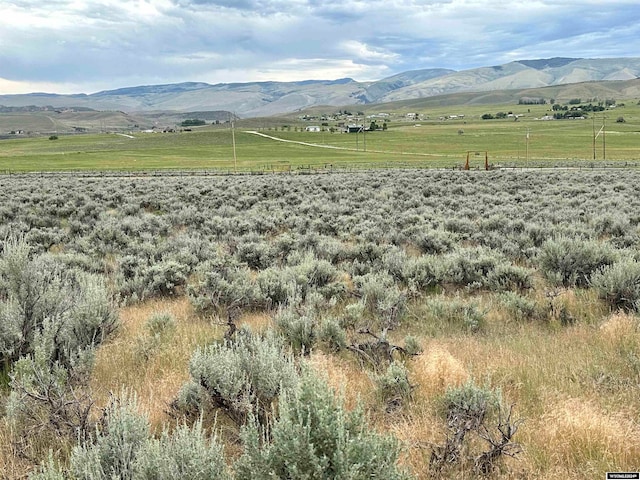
{"x":114,"y":43}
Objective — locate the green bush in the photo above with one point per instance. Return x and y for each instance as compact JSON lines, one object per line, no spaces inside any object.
{"x":300,"y":330}
{"x":571,"y":262}
{"x":474,"y":415}
{"x":332,"y":335}
{"x":470,"y":267}
{"x":519,"y":307}
{"x":115,"y":449}
{"x":48,"y":397}
{"x":619,"y":285}
{"x":393,"y":386}
{"x":223,"y":287}
{"x":470,"y":400}
{"x":36,"y":291}
{"x":124,"y":449}
{"x":383,"y":300}
{"x":314,"y":437}
{"x":161,"y":324}
{"x":244,"y":376}
{"x":186,"y":453}
{"x":435,"y":242}
{"x":277,"y":286}
{"x":509,"y":277}
{"x":165,"y":278}
{"x":457,"y":313}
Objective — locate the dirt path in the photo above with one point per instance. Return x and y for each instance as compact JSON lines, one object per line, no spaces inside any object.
{"x":318,"y":145}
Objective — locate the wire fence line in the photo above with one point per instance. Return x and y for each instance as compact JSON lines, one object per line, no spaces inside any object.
{"x":316,"y":169}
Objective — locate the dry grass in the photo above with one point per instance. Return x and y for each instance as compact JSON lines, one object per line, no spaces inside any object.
{"x":436,"y":370}
{"x":12,"y":465}
{"x":583,"y":438}
{"x":576,"y":386}
{"x":344,"y":376}
{"x":157,"y":377}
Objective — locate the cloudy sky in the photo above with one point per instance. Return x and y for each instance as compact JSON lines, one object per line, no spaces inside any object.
{"x":74,"y":46}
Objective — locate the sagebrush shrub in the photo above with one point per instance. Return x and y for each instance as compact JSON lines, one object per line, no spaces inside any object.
{"x":509,"y":277}
{"x":48,"y":396}
{"x":457,"y":313}
{"x":332,"y":335}
{"x":299,"y":329}
{"x":571,"y":262}
{"x":113,"y":452}
{"x":314,"y":437}
{"x":520,"y":307}
{"x":122,"y":448}
{"x":186,"y":453}
{"x":161,"y":324}
{"x":38,"y":291}
{"x":223,"y":287}
{"x":470,"y":267}
{"x":619,"y":284}
{"x":393,"y":386}
{"x":244,"y":376}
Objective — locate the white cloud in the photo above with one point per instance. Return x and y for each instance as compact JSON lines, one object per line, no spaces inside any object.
{"x":60,"y":44}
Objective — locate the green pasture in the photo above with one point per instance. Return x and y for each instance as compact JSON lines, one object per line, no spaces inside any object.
{"x":431,"y":142}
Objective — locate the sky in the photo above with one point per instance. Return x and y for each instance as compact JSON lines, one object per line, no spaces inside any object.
{"x":84,"y":46}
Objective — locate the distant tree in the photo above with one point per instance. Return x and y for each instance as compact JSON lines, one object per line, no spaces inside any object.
{"x":620,"y":120}
{"x":192,"y":122}
{"x":53,"y":137}
{"x":487,"y":116}
{"x":501,"y":115}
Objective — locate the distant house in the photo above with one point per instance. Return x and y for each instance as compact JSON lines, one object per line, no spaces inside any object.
{"x":354,"y":129}
{"x":312,"y":128}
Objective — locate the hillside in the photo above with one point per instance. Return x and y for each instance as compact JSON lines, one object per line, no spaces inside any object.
{"x":274,"y":98}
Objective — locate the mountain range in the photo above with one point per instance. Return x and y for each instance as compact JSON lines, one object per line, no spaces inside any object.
{"x":271,"y":98}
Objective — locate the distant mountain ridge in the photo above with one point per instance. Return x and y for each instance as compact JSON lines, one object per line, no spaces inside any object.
{"x":255,"y":99}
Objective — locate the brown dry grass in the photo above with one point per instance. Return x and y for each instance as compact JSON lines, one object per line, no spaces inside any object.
{"x":344,"y":376}
{"x":575,"y":386}
{"x":156,"y":380}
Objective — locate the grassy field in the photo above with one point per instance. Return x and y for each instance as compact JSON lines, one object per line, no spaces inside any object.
{"x":429,"y":142}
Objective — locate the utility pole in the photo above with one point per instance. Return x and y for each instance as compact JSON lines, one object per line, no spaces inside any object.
{"x":601,"y":131}
{"x":604,"y":136}
{"x":364,"y":132}
{"x":233,"y":141}
{"x":594,"y":138}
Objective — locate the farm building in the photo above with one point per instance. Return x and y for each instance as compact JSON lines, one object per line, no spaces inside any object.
{"x":354,"y":129}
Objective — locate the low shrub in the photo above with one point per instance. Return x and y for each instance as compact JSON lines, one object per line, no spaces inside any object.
{"x":299,"y":329}
{"x":571,"y":262}
{"x":456,"y":313}
{"x":509,"y":277}
{"x":520,"y":307}
{"x":314,"y":437}
{"x":245,"y":375}
{"x":392,"y":386}
{"x":619,"y":285}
